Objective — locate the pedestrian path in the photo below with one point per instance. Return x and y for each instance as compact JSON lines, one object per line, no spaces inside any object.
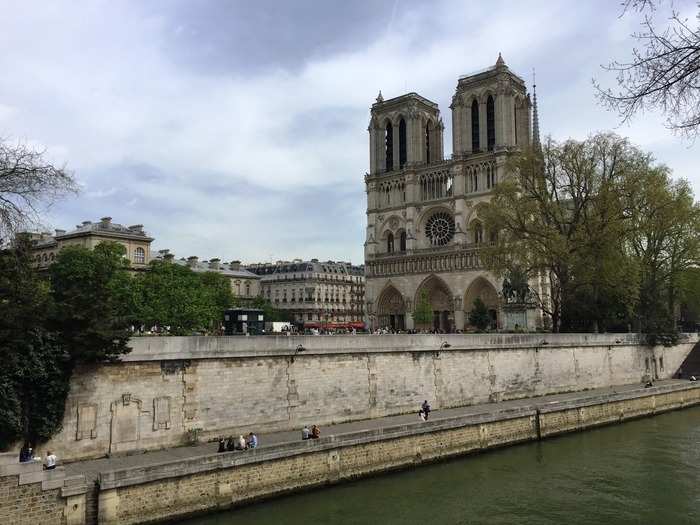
{"x":91,"y":468}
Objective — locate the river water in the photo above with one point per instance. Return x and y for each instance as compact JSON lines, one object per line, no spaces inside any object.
{"x":641,"y":472}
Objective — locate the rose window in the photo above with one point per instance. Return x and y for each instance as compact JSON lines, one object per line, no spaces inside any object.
{"x":440,"y":229}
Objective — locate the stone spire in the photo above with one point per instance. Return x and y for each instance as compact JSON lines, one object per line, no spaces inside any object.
{"x":500,"y":62}
{"x":535,"y":116}
{"x":380,"y":98}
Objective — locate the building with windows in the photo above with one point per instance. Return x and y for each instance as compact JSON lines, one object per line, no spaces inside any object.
{"x":423,"y":226}
{"x":45,"y":246}
{"x":318,"y":294}
{"x":245,"y":285}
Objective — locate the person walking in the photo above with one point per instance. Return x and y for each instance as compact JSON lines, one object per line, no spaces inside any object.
{"x":305,"y":432}
{"x":425,"y":408}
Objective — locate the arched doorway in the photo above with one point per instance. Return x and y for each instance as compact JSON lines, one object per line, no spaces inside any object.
{"x":438,"y":296}
{"x":485,"y":291}
{"x":391,"y":309}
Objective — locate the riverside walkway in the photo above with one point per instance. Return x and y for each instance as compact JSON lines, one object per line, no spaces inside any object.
{"x":92,"y":468}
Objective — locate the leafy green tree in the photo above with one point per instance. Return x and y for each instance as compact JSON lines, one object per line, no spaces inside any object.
{"x":173,"y":296}
{"x":664,"y":239}
{"x":217,"y":296}
{"x":423,"y":313}
{"x":92,"y":292}
{"x":479,"y":315}
{"x":558,"y":213}
{"x":269,"y":311}
{"x":35,"y":371}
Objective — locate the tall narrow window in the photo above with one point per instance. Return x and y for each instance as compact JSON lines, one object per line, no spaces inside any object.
{"x":389,"y":142}
{"x":402,"y":143}
{"x":478,"y":233}
{"x":428,"y":129}
{"x":402,"y":242}
{"x":139,"y":256}
{"x":515,"y":123}
{"x":475,"y":126}
{"x":490,"y":123}
{"x":390,"y":243}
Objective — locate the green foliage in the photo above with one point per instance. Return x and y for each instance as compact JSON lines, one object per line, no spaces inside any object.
{"x":92,"y":291}
{"x":35,"y":372}
{"x":606,"y":228}
{"x":171,"y":295}
{"x":423,"y":314}
{"x":271,"y":313}
{"x":479,"y":315}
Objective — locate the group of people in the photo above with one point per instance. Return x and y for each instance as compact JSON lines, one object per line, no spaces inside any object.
{"x":240,"y":443}
{"x":314,"y":433}
{"x":27,"y":454}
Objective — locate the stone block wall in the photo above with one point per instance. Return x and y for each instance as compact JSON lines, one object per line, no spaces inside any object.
{"x":219,"y":481}
{"x":170,"y":388}
{"x":30,"y":495}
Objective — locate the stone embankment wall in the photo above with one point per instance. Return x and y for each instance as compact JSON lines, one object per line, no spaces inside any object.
{"x":170,"y":389}
{"x":30,"y":495}
{"x":218,"y":481}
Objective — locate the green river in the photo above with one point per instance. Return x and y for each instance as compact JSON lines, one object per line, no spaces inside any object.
{"x":642,"y":472}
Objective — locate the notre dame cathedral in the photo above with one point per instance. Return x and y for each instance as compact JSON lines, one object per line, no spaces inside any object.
{"x":423,"y":229}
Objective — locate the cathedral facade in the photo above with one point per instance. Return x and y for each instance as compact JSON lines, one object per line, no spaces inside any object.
{"x":423,"y":229}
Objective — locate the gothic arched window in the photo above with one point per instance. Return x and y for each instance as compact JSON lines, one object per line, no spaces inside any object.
{"x":390,"y":243}
{"x":402,"y":242}
{"x":402,"y":142}
{"x":475,"y":126}
{"x":490,"y":123}
{"x":389,"y":143}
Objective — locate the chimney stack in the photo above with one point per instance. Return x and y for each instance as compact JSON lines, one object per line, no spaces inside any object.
{"x":59,"y":232}
{"x":214,"y":263}
{"x":136,"y":228}
{"x":235,"y":265}
{"x":192,"y":261}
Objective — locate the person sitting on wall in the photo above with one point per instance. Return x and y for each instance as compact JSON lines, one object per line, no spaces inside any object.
{"x":26,"y":454}
{"x":252,"y":441}
{"x":230,"y":444}
{"x":222,"y":445}
{"x":241,"y":444}
{"x":425,"y":407}
{"x":693,"y":378}
{"x":50,"y":461}
{"x":421,"y":415}
{"x":305,"y":432}
{"x":315,"y":432}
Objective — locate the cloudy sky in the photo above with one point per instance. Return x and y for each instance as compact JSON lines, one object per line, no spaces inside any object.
{"x":237,"y":129}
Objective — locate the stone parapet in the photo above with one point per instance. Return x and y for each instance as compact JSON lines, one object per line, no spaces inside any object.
{"x":204,"y":347}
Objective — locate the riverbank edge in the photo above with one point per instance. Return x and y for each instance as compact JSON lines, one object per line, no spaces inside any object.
{"x":199,"y":485}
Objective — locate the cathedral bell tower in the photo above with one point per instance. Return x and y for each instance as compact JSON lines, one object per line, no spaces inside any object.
{"x":404,"y":131}
{"x":490,"y":112}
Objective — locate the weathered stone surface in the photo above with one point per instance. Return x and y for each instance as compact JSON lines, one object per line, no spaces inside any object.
{"x":168,"y":490}
{"x":227,"y":385}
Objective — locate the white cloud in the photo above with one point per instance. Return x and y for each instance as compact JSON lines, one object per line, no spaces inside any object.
{"x":240,"y":163}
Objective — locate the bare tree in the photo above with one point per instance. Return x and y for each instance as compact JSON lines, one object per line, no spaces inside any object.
{"x":664,"y":72}
{"x":29,"y":184}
